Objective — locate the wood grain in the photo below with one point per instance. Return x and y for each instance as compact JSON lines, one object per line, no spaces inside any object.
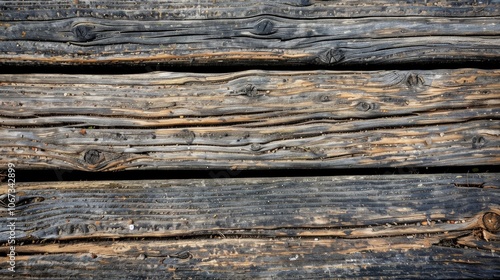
{"x":229,"y":9}
{"x":397,"y":257}
{"x":344,"y":207}
{"x":314,"y":227}
{"x":321,"y":33}
{"x":251,"y":120}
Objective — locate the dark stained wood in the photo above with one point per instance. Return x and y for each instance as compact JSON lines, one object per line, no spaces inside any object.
{"x":251,"y":120}
{"x":315,"y":227}
{"x":437,"y":226}
{"x":396,"y":257}
{"x":345,"y":207}
{"x":289,"y":32}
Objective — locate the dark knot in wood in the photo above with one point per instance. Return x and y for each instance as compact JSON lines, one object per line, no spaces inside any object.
{"x":332,"y":56}
{"x":305,"y":3}
{"x":187,"y":135}
{"x":491,"y":221}
{"x":478,"y":142}
{"x":255,"y":147}
{"x":264,"y":27}
{"x":299,"y":3}
{"x":414,"y":80}
{"x":92,"y":157}
{"x":364,"y":106}
{"x":84,"y":33}
{"x":249,"y":90}
{"x":324,"y":98}
{"x":182,"y":255}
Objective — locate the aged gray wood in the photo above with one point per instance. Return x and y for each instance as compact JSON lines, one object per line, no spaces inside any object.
{"x":227,"y":9}
{"x":407,"y":226}
{"x":262,"y":37}
{"x":250,"y":120}
{"x":344,"y":207}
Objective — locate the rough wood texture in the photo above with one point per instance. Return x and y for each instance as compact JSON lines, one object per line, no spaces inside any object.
{"x":250,"y":120}
{"x":421,"y":257}
{"x":347,"y":207}
{"x":274,"y":33}
{"x":364,"y":226}
{"x":230,"y":9}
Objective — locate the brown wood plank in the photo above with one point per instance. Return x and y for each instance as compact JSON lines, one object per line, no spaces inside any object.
{"x":396,"y":257}
{"x":345,"y":207}
{"x":406,"y":33}
{"x":250,"y":120}
{"x":401,"y":226}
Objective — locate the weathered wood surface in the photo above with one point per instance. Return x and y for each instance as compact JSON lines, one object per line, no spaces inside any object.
{"x":364,"y":226}
{"x":230,"y":9}
{"x":417,"y":258}
{"x":275,"y":33}
{"x":346,"y":207}
{"x":251,"y":120}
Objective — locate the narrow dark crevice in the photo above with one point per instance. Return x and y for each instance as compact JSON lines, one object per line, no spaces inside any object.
{"x":119,"y":69}
{"x":70,"y":175}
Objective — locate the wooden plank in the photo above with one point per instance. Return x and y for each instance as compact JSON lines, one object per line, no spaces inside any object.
{"x":227,"y":9}
{"x":281,"y":33}
{"x":251,"y":120}
{"x":316,"y":227}
{"x":397,"y":257}
{"x":345,"y":207}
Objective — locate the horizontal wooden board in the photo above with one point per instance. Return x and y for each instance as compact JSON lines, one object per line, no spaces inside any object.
{"x":277,"y":36}
{"x":345,"y":207}
{"x":228,"y":9}
{"x":402,"y":226}
{"x":251,"y":120}
{"x":397,"y":257}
